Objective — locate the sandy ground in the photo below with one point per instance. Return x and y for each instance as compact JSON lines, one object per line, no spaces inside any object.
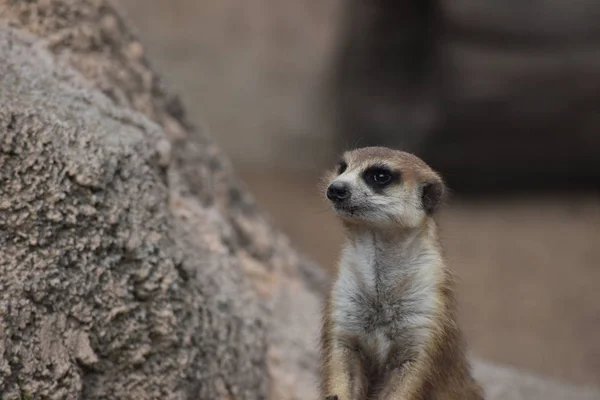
{"x":528,"y":269}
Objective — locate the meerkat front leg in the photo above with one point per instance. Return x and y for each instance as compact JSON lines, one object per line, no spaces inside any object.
{"x":400,"y":383}
{"x":342,"y":374}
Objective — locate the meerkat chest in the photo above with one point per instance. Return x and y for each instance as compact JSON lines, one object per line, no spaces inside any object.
{"x":382,"y":309}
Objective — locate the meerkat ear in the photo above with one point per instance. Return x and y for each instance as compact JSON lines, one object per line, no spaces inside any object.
{"x":432,"y":196}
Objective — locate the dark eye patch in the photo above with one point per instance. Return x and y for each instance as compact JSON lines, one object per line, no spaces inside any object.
{"x":342,"y":166}
{"x":380,"y":176}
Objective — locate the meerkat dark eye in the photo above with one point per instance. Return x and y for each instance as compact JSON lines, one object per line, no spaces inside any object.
{"x":382,"y":177}
{"x":341,"y":167}
{"x":378,"y":177}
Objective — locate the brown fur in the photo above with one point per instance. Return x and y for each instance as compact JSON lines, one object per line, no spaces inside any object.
{"x":437,"y":370}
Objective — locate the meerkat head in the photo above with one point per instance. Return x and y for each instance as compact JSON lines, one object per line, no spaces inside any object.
{"x":384,"y":187}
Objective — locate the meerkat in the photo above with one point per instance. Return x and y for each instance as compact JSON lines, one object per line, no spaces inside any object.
{"x":390,"y":329}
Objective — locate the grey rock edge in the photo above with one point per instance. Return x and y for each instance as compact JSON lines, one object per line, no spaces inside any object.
{"x":133,"y":265}
{"x":109,"y":290}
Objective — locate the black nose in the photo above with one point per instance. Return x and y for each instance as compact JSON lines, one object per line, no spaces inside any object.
{"x":337,"y":191}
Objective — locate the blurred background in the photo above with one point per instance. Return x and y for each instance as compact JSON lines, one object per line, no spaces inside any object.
{"x":501,"y":96}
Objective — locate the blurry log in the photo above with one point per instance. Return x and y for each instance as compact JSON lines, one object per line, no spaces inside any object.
{"x":513,"y":102}
{"x":385,"y":82}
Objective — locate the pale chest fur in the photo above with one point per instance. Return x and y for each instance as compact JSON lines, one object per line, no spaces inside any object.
{"x":385,"y":297}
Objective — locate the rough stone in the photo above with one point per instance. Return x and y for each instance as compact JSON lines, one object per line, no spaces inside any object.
{"x":108,"y":291}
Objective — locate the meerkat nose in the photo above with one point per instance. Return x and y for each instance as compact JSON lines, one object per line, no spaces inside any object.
{"x":338,"y":191}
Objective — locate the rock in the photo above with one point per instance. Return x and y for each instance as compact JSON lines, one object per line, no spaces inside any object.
{"x":90,"y":244}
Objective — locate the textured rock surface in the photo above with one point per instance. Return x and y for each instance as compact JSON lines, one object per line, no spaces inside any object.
{"x":133,"y":263}
{"x":204,"y":229}
{"x":102,"y":293}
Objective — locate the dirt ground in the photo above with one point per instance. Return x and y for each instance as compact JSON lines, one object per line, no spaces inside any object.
{"x":528,"y":269}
